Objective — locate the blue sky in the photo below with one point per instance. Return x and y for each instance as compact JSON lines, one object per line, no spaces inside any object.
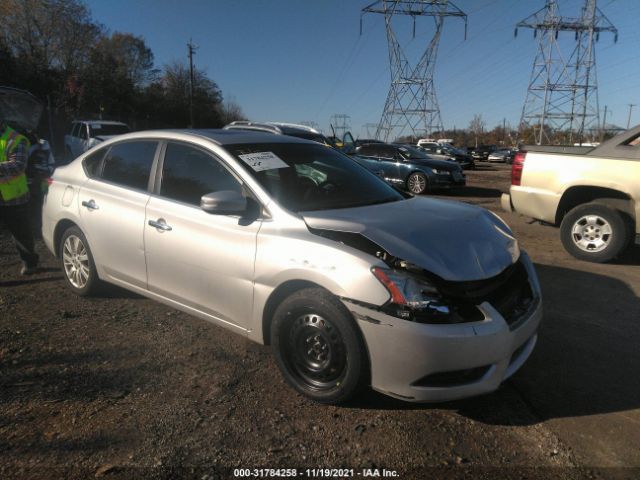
{"x":302,"y":60}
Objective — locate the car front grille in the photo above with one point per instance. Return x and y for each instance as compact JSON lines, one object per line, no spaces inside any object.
{"x":509,"y":292}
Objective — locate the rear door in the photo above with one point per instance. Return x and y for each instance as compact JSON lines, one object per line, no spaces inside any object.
{"x":201,"y":260}
{"x":112,"y":208}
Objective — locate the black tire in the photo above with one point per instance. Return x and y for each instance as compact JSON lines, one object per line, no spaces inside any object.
{"x":318,"y":347}
{"x":594,"y":232}
{"x":417,"y":183}
{"x":77,"y":263}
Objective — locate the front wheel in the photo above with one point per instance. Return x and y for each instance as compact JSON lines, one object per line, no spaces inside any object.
{"x":417,"y":183}
{"x":318,"y":346}
{"x":594,"y":232}
{"x":77,"y":263}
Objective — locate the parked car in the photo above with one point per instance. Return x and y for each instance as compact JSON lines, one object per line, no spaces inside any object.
{"x":592,"y":194}
{"x":463,"y":158}
{"x":482,"y":152}
{"x":409,"y":168}
{"x":281,"y":128}
{"x":85,"y":134}
{"x":292,"y":244}
{"x":503,"y":155}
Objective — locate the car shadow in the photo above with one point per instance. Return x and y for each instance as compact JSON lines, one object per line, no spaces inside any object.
{"x":29,"y":280}
{"x":586,"y":361}
{"x":475,"y":192}
{"x":631,"y":256}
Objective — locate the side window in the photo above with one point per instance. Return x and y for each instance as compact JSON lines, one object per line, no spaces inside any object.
{"x":387,"y":152}
{"x":83,"y":131}
{"x":129,"y":163}
{"x":92,"y":163}
{"x":74,"y":129}
{"x":188,"y":173}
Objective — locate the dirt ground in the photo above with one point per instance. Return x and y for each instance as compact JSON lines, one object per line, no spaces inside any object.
{"x":123,"y":387}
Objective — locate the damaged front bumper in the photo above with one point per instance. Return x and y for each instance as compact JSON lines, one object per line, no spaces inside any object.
{"x":439,"y":362}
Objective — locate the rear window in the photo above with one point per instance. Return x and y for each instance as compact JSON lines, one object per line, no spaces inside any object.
{"x":99,"y":129}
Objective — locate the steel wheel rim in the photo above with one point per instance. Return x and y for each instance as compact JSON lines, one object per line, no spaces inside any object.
{"x":591,"y":233}
{"x":417,"y":183}
{"x":75,"y":260}
{"x":315,"y":351}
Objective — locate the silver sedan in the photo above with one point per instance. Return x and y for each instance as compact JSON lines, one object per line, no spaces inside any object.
{"x":293,"y":244}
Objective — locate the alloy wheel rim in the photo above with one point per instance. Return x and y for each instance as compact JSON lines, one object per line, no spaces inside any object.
{"x":316,"y":351}
{"x":75,"y":259}
{"x":591,"y":233}
{"x":417,"y":183}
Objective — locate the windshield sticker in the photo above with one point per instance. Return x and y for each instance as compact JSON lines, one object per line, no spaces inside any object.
{"x":263,"y":161}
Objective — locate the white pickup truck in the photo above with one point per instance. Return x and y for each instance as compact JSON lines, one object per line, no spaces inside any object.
{"x":87,"y":133}
{"x":592,"y":194}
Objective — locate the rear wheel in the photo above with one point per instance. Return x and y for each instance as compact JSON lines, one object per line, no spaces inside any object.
{"x":318,"y":346}
{"x":77,"y":263}
{"x":594,"y":232}
{"x":417,"y":183}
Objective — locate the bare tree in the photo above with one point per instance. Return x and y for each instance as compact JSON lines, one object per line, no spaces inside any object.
{"x":476,"y":126}
{"x":231,"y":111}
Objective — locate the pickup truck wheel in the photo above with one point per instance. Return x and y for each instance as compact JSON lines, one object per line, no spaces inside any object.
{"x":318,"y":346}
{"x":594,"y":232}
{"x":417,"y":183}
{"x":77,"y":263}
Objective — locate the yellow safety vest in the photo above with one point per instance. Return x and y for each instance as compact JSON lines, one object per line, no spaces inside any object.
{"x":13,"y":187}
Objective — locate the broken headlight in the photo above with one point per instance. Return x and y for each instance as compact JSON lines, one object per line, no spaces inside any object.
{"x":413,"y":298}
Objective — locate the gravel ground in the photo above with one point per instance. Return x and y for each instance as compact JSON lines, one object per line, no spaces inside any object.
{"x":122,"y":387}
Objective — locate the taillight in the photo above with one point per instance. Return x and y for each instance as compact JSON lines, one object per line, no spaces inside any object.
{"x":516,"y":168}
{"x":49,"y":181}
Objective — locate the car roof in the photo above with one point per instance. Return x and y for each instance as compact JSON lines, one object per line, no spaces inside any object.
{"x":217,"y":136}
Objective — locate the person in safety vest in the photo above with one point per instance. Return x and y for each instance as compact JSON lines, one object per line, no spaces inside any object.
{"x":14,"y":195}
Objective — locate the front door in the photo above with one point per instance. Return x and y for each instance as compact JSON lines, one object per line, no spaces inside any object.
{"x":201,"y":260}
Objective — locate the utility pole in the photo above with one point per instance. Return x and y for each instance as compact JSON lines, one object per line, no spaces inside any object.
{"x":412,"y":105}
{"x":192,"y":49}
{"x":631,"y":105}
{"x":604,"y":123}
{"x":562,"y":96}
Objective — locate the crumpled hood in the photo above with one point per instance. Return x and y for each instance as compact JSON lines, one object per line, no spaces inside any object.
{"x":456,"y":241}
{"x":20,"y":108}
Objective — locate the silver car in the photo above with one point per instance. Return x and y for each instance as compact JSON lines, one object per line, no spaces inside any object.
{"x":292,"y":244}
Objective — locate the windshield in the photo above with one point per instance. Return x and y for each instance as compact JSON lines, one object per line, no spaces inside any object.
{"x":413,"y":153}
{"x":99,"y":129}
{"x":305,"y":177}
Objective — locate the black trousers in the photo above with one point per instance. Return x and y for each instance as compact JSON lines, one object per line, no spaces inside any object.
{"x":17,"y":219}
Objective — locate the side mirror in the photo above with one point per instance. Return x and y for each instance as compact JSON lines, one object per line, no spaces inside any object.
{"x":224,"y":202}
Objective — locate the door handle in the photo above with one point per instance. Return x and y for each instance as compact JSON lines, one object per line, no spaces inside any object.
{"x":160,"y":225}
{"x":91,"y":205}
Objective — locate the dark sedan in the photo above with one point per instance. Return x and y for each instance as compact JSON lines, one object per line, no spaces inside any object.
{"x":463,"y":158}
{"x":409,"y":167}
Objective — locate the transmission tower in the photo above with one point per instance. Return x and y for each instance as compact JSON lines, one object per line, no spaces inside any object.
{"x":562,"y":98}
{"x":412,"y":105}
{"x":340,"y":123}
